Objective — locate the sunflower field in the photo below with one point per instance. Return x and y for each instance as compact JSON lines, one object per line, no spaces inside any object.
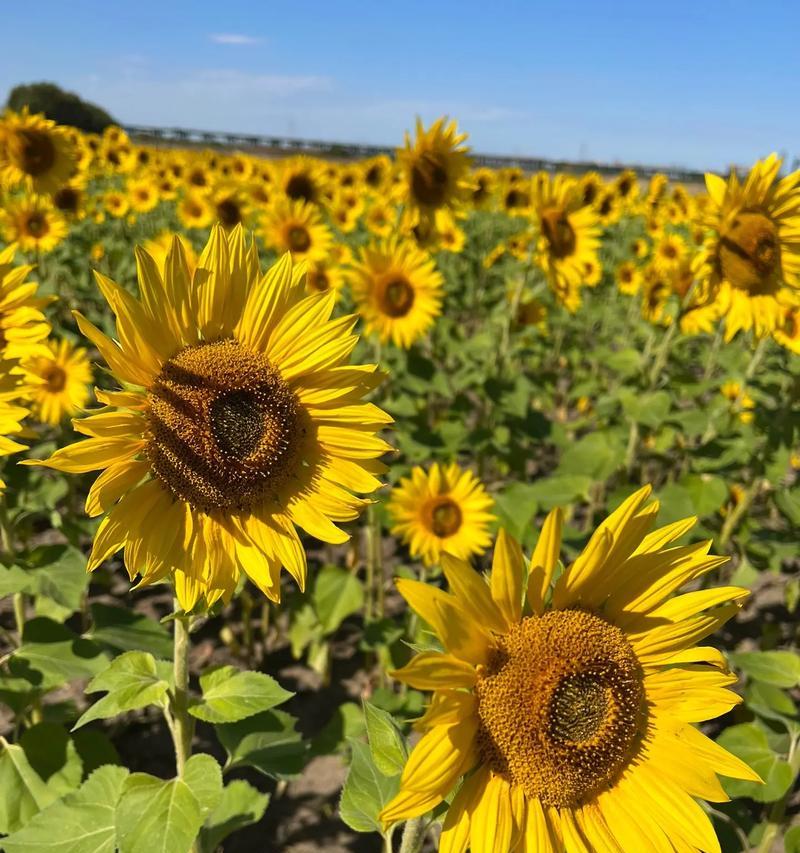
{"x":394,"y":505}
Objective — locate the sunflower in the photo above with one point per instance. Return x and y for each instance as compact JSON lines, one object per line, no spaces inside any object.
{"x":324,"y":275}
{"x":12,"y":412}
{"x":116,"y":203}
{"x":239,"y":419}
{"x":607,"y":207}
{"x":230,"y":206}
{"x":752,"y":257}
{"x":788,"y":333}
{"x":143,"y":194}
{"x":380,"y":219}
{"x":23,"y":325}
{"x":195,"y":211}
{"x":70,"y":199}
{"x":397,"y":289}
{"x":568,"y":235}
{"x":626,"y":186}
{"x":591,"y":185}
{"x":303,"y":179}
{"x":297,"y":227}
{"x":376,"y":172}
{"x":34,"y":152}
{"x":436,"y":168}
{"x":669,"y":252}
{"x":59,"y":382}
{"x":629,"y":278}
{"x":570,"y":716}
{"x":484,"y":182}
{"x":33,"y":223}
{"x":198,"y":177}
{"x":445,"y":509}
{"x":656,"y":292}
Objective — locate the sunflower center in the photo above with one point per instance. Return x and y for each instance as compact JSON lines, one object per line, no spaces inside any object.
{"x":229,"y":213}
{"x":318,"y":279}
{"x":445,"y":517}
{"x":300,"y":186}
{"x":561,"y":706}
{"x":429,"y":180}
{"x":397,"y":297}
{"x":516,"y":198}
{"x":298,"y":238}
{"x":37,"y":152}
{"x":67,"y":199}
{"x":225,"y":428}
{"x":56,"y":379}
{"x":558,"y":232}
{"x":749,"y":252}
{"x":36,"y":224}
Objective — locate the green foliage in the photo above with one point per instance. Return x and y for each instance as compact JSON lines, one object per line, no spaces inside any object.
{"x":60,"y":106}
{"x":230,"y":695}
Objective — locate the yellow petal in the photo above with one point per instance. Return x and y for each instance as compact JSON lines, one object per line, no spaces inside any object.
{"x":506,"y":579}
{"x":545,"y":559}
{"x":435,"y":671}
{"x":492,"y":821}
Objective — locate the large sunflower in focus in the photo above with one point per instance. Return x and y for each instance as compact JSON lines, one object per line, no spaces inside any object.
{"x":34,"y":152}
{"x":397,"y":289}
{"x":568,"y":234}
{"x":752,"y":258}
{"x":436,"y":168}
{"x":444,"y":509}
{"x":569,"y":706}
{"x":239,"y":420}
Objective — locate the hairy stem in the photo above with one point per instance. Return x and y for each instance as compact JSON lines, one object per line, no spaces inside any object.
{"x":777,"y":814}
{"x":413,"y":836}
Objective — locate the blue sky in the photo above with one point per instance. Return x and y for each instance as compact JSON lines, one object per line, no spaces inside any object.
{"x":700,"y":84}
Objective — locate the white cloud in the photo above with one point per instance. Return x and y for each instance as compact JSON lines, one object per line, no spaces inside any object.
{"x":234,"y":38}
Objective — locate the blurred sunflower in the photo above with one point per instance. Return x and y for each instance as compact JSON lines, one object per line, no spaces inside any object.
{"x":445,"y":509}
{"x":380,"y":219}
{"x":591,"y":185}
{"x":34,"y":152}
{"x":116,"y":203}
{"x":484,"y":182}
{"x":626,"y":186}
{"x":33,"y":223}
{"x":568,"y":707}
{"x":239,"y":420}
{"x":59,"y":382}
{"x":303,"y":179}
{"x":230,"y":206}
{"x":668,"y":252}
{"x":143,"y":194}
{"x":70,"y":199}
{"x":397,"y":289}
{"x":752,"y":258}
{"x":629,"y":278}
{"x":656,"y":292}
{"x":436,"y":168}
{"x":296,"y":227}
{"x":568,"y":235}
{"x":195,"y":211}
{"x":788,"y":333}
{"x":322,"y":276}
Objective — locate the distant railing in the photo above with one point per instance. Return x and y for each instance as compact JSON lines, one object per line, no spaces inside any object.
{"x":351,"y":150}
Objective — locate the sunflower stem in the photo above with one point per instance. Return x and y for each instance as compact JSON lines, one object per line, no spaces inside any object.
{"x":180,"y":697}
{"x":736,"y":514}
{"x":19,"y":614}
{"x":413,"y":836}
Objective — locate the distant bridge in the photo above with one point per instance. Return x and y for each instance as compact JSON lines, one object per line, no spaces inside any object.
{"x":268,"y":145}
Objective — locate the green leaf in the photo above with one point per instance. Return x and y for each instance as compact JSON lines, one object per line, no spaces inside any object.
{"x":779,"y":668}
{"x":555,"y":491}
{"x":366,"y":791}
{"x":22,"y":791}
{"x":337,"y":594}
{"x":53,"y":755}
{"x":241,"y":805}
{"x":596,"y":455}
{"x":675,"y":503}
{"x":157,"y":816}
{"x":60,"y":575}
{"x":749,"y":742}
{"x":95,"y":749}
{"x":51,"y":655}
{"x":125,"y":630}
{"x":647,"y":409}
{"x":707,"y":492}
{"x":268,"y":742}
{"x":516,"y":506}
{"x":230,"y":695}
{"x":13,"y":579}
{"x":204,"y":777}
{"x":386,"y":741}
{"x":82,"y":822}
{"x":791,"y":840}
{"x":132,"y":681}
